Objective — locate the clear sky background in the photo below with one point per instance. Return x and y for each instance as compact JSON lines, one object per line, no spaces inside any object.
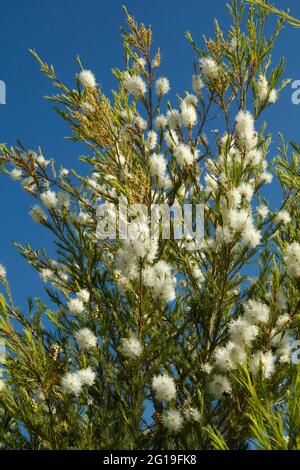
{"x":61,"y":29}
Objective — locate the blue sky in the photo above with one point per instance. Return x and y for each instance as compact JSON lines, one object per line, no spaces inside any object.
{"x":61,"y":29}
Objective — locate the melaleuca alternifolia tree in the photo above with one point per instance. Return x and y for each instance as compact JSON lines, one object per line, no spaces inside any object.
{"x":145,"y":343}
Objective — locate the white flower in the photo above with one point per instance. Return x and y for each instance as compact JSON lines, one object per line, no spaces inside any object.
{"x":162,"y":86}
{"x":42,"y":161}
{"x":197,"y":83}
{"x":85,"y":338}
{"x":47,"y":274}
{"x":64,"y":172}
{"x":49,"y":199}
{"x":37,"y":214}
{"x":16,"y":174}
{"x":86,"y":376}
{"x":161,"y":121}
{"x":265,"y":177}
{"x":220,"y":386}
{"x":283,"y":217}
{"x":71,"y":383}
{"x":254,"y":157}
{"x":251,"y":236}
{"x":263,"y":360}
{"x":245,"y":132}
{"x":160,"y":279}
{"x":273,"y":97}
{"x":171,"y":139}
{"x":209,"y":68}
{"x":164,"y":387}
{"x":262,"y":210}
{"x":246,"y":190}
{"x":197,"y":273}
{"x":2,"y":272}
{"x":140,"y":123}
{"x":191,"y":414}
{"x":211,"y":183}
{"x":190,"y":100}
{"x":76,"y":306}
{"x":83,"y":295}
{"x":151,"y":141}
{"x":172,"y":420}
{"x":262,"y":88}
{"x":206,"y":368}
{"x":87,"y":108}
{"x":188,"y":115}
{"x":241,"y":332}
{"x":183,"y":154}
{"x":292,"y":259}
{"x":158,"y":165}
{"x":234,"y":198}
{"x":134,"y":84}
{"x":174,"y":118}
{"x":63,"y":199}
{"x":131,"y":347}
{"x":2,"y":385}
{"x":256,"y":312}
{"x":230,"y":356}
{"x":83,"y":218}
{"x":87,"y":78}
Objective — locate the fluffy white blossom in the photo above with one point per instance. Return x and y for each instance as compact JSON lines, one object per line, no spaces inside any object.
{"x":172,"y":420}
{"x":71,"y":383}
{"x":263,"y":360}
{"x":292,"y":259}
{"x":266,"y":177}
{"x":158,"y":165}
{"x":256,"y":312}
{"x":188,"y":114}
{"x":273,"y":96}
{"x":262,"y":88}
{"x":87,"y":108}
{"x":85,"y":338}
{"x":2,"y":272}
{"x":49,"y":199}
{"x":160,"y":279}
{"x":197,"y":83}
{"x":220,"y":386}
{"x":209,"y":68}
{"x":283,"y":217}
{"x":131,"y":347}
{"x":173,"y":118}
{"x":86,"y":376}
{"x":134,"y":84}
{"x":151,"y":140}
{"x":140,"y":123}
{"x":160,"y":122}
{"x":262,"y":210}
{"x":87,"y":78}
{"x":254,"y":157}
{"x":162,"y":86}
{"x":83,"y":295}
{"x":37,"y":214}
{"x":245,"y":132}
{"x":16,"y":174}
{"x":241,"y":332}
{"x":164,"y":387}
{"x":76,"y":306}
{"x":47,"y":274}
{"x":171,"y":139}
{"x":183,"y":154}
{"x":230,"y":356}
{"x":191,"y":414}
